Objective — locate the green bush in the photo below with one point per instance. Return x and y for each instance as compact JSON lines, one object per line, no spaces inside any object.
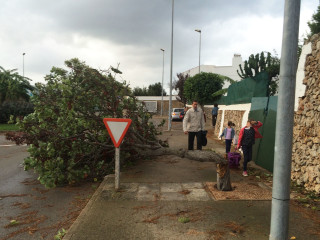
{"x":201,"y":86}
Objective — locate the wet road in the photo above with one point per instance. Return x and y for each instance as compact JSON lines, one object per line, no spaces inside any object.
{"x":11,"y":169}
{"x":39,"y":212}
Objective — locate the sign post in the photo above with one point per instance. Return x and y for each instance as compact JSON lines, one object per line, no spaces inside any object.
{"x":117,"y":129}
{"x":117,"y":169}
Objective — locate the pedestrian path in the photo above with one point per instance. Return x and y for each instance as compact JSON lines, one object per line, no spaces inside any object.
{"x":157,"y":192}
{"x":174,"y":198}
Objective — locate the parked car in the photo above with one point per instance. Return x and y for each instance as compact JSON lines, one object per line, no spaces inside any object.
{"x":177,"y":113}
{"x":182,"y":114}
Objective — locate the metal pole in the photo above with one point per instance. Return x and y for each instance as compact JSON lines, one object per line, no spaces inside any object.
{"x":170,"y":98}
{"x":23,"y":64}
{"x":162,"y":81}
{"x":117,"y":168}
{"x":199,"y":31}
{"x":284,"y":129}
{"x":200,"y":52}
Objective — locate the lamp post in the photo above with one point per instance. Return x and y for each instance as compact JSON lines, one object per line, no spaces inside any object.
{"x":170,"y":97}
{"x":162,"y":81}
{"x":279,"y":226}
{"x":23,"y":64}
{"x":199,"y":31}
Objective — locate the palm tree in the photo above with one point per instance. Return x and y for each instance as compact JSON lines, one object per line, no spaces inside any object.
{"x":13,"y":87}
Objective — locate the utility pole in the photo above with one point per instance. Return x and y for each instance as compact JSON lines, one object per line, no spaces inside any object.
{"x":284,"y":128}
{"x":23,"y":64}
{"x":162,"y":81}
{"x":199,"y":31}
{"x":170,"y":97}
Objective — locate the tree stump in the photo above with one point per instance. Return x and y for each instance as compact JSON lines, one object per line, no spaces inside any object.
{"x":223,"y":176}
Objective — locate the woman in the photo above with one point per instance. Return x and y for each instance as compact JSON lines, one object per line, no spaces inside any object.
{"x":247,"y":137}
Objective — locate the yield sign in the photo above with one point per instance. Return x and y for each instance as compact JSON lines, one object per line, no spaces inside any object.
{"x":117,"y":128}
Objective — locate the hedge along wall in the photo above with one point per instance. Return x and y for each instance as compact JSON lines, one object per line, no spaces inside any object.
{"x":306,"y":131}
{"x":16,"y":109}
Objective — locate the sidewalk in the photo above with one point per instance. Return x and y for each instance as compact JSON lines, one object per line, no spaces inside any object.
{"x":168,"y":198}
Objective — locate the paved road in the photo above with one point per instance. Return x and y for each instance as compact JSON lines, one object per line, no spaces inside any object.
{"x":40,"y":212}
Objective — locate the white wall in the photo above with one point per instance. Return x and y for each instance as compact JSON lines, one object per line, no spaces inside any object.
{"x":300,"y":87}
{"x":156,"y":98}
{"x":229,"y":71}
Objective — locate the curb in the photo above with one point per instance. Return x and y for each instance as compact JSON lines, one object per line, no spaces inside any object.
{"x":87,"y":208}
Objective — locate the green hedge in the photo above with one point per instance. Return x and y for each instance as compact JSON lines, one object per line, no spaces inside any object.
{"x":17,"y":109}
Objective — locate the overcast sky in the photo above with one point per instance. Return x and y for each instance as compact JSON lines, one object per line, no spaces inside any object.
{"x":131,"y":32}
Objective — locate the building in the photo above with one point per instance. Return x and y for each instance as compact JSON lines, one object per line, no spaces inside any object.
{"x":153,"y":103}
{"x":229,"y":71}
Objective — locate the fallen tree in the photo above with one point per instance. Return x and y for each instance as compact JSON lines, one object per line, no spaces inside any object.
{"x":67,"y":139}
{"x":223,"y":171}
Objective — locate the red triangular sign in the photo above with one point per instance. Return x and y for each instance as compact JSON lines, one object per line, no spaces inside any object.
{"x":117,"y":129}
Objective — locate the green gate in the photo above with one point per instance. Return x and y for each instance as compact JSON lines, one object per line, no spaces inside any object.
{"x":265,"y":111}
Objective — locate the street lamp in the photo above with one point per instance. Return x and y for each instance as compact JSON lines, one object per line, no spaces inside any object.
{"x":170,"y":97}
{"x":23,"y":64}
{"x":199,"y":31}
{"x":162,"y":81}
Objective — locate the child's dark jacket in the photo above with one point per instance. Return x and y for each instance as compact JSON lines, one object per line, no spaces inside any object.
{"x":257,"y":134}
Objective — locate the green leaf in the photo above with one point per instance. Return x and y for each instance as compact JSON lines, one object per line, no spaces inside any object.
{"x":13,"y":222}
{"x":184,"y":219}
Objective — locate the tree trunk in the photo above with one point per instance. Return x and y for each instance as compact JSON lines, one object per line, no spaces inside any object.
{"x":223,"y":172}
{"x":223,"y":176}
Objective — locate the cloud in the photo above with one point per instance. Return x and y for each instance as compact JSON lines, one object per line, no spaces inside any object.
{"x":108,"y":32}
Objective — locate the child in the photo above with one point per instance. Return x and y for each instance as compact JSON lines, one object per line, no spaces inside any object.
{"x":247,"y":137}
{"x":228,"y":132}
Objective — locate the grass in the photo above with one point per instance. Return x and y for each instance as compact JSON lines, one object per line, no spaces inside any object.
{"x":308,"y":199}
{"x":8,"y":127}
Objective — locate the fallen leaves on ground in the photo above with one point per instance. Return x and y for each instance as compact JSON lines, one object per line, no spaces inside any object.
{"x":153,"y":220}
{"x":14,"y":195}
{"x":233,"y":227}
{"x":21,"y":205}
{"x":185,"y":192}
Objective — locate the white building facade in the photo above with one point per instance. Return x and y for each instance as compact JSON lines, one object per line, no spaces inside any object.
{"x":229,"y":71}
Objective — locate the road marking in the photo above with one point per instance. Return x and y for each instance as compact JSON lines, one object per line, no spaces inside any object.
{"x":11,"y":145}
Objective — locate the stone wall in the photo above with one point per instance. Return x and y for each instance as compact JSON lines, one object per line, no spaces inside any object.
{"x":218,"y":123}
{"x":235,"y":116}
{"x":306,"y":131}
